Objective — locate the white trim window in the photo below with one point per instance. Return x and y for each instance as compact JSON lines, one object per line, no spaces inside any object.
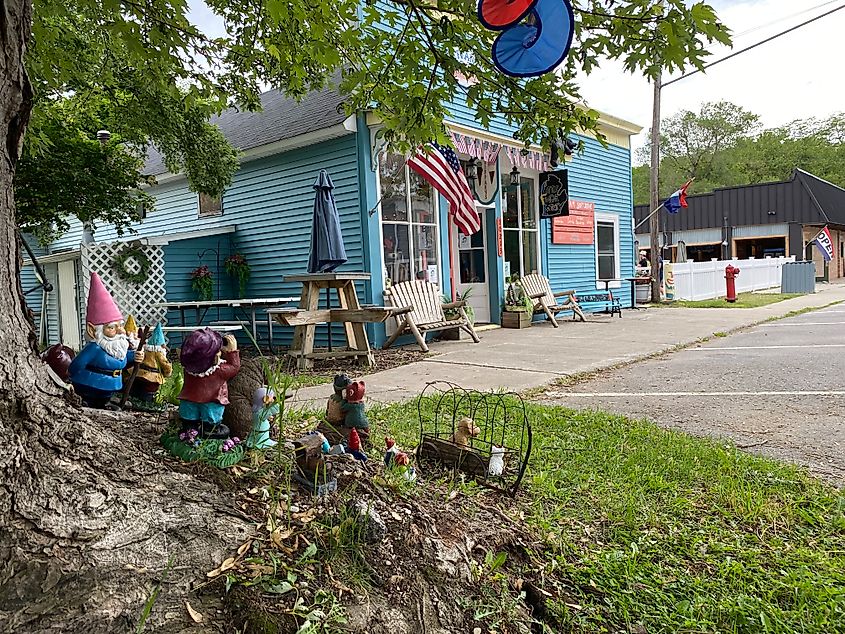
{"x":409,"y":223}
{"x":520,"y":226}
{"x":608,"y":254}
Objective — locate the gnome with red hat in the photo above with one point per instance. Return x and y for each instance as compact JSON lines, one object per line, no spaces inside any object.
{"x":209,"y":361}
{"x":96,"y":372}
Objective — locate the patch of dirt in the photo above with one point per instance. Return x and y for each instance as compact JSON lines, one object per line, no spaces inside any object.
{"x":385,"y":360}
{"x":423,"y":565}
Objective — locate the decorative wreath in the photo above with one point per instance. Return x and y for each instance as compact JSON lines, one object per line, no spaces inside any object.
{"x":132,"y":265}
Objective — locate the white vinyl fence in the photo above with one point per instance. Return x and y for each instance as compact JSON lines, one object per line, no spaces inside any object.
{"x":706,"y":280}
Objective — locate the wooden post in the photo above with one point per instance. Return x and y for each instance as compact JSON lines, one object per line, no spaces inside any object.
{"x":654,"y":222}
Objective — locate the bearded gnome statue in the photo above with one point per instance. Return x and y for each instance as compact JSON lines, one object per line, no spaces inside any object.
{"x":151,"y":373}
{"x":96,"y":372}
{"x":209,"y":361}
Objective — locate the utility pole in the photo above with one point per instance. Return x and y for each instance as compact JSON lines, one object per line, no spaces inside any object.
{"x":654,"y":184}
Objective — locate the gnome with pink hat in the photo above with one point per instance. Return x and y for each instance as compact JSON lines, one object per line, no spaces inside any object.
{"x":96,"y":372}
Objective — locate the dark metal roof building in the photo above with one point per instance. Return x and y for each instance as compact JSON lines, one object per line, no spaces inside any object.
{"x":805,"y":199}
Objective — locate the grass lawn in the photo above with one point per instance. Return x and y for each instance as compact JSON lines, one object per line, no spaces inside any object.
{"x":649,"y":530}
{"x":743,"y":300}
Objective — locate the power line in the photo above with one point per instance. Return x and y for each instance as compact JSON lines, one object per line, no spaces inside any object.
{"x":784,"y":18}
{"x":748,"y":48}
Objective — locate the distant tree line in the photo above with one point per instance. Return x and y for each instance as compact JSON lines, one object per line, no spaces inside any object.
{"x":724,"y":145}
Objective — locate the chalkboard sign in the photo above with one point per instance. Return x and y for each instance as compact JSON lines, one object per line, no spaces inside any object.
{"x":554,"y":194}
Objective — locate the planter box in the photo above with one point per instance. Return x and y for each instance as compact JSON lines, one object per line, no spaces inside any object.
{"x":516,"y":319}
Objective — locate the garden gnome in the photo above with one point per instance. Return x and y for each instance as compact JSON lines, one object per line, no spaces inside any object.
{"x":353,"y":407}
{"x":151,"y":373}
{"x":264,"y":411}
{"x":131,"y":329}
{"x":209,"y":361}
{"x":334,"y":410}
{"x":96,"y":372}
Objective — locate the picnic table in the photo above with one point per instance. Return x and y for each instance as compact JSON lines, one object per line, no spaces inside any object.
{"x":247,"y":308}
{"x":350,"y":313}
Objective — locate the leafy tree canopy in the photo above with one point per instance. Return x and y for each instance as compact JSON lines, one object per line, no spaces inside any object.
{"x":145,"y":72}
{"x":723,"y":145}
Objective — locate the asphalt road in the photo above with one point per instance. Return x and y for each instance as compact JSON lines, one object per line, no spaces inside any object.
{"x":777,"y":389}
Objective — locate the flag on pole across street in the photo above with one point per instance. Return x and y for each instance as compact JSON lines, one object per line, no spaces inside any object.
{"x":677,"y":200}
{"x":824,"y":243}
{"x":440,"y":167}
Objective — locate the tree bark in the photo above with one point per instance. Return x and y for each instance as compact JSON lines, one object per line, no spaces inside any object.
{"x":89,"y":512}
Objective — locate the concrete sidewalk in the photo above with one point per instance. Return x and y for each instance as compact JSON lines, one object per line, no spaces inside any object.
{"x":530,"y":358}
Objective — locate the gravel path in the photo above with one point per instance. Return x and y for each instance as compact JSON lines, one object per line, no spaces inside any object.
{"x":776,"y":389}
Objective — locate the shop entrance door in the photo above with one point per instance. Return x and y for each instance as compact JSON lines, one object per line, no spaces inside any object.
{"x":471,"y":275}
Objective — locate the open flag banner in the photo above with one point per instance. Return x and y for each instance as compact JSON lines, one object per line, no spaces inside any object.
{"x":677,"y":200}
{"x":439,"y":166}
{"x":825,"y":244}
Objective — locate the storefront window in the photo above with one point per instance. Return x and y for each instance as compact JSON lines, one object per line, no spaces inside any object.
{"x":519,"y":224}
{"x":410,"y":244}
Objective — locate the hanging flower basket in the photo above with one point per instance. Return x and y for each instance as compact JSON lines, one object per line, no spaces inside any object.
{"x":236,"y":266}
{"x":132,"y":265}
{"x":203,"y":283}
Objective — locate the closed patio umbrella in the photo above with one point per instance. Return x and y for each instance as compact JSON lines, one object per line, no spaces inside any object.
{"x":327,"y":251}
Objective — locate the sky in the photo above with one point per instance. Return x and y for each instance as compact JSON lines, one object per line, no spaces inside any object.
{"x":796,"y":76}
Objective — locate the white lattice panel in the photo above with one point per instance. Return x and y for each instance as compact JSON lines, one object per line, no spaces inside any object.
{"x":132,"y":299}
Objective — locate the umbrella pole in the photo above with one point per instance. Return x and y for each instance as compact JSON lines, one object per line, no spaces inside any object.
{"x":451,"y":258}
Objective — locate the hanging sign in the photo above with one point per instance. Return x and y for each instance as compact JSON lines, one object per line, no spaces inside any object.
{"x":577,"y":227}
{"x":487,"y":184}
{"x":554,"y":194}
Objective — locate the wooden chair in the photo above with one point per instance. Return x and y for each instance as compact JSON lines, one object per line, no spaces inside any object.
{"x":418,"y":308}
{"x":537,"y":287}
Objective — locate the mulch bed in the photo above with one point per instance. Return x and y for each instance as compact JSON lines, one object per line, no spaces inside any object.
{"x":385,"y":360}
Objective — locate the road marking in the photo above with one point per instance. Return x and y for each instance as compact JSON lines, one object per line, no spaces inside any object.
{"x":808,"y":347}
{"x":732,"y":393}
{"x":804,"y":323}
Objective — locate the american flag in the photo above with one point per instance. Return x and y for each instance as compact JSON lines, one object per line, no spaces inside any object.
{"x":440,"y":167}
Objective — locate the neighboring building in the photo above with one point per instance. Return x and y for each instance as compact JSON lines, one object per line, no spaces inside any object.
{"x":755,"y":221}
{"x":394,"y":226}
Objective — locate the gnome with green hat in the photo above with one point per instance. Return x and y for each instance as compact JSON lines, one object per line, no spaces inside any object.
{"x":152,"y":372}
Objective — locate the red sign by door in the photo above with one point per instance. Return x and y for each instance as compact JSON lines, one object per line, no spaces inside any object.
{"x":500,"y":247}
{"x":577,"y":227}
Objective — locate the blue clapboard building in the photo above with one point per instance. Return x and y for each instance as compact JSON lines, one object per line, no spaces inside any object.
{"x":394,"y":225}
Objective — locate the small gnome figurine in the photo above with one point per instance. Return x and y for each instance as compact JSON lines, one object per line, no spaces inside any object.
{"x":395,"y":457}
{"x":209,"y":361}
{"x":334,"y":411}
{"x":353,"y":447}
{"x":264,"y":411}
{"x":353,"y":407}
{"x":96,"y":372}
{"x":151,"y":373}
{"x":131,"y":329}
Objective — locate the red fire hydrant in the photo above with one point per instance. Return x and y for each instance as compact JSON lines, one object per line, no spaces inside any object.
{"x":730,"y":273}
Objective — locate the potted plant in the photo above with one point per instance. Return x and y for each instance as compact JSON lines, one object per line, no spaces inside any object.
{"x":237,"y":267}
{"x":518,"y":308}
{"x":203,"y":283}
{"x":454,"y":334}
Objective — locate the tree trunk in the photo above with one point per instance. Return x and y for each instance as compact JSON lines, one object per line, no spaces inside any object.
{"x":89,"y":512}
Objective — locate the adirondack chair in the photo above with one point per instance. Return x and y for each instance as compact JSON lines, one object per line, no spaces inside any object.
{"x":537,"y":287}
{"x":418,"y":308}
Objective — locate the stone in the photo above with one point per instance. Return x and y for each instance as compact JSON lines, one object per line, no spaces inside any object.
{"x":373,"y":528}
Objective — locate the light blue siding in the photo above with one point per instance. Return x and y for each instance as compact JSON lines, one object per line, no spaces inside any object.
{"x":29,"y":279}
{"x":601,"y":176}
{"x":270,"y":201}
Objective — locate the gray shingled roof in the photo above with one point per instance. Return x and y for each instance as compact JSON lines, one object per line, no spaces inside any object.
{"x":280,"y":118}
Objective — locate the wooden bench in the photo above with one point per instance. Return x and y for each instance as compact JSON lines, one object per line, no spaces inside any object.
{"x":537,"y":287}
{"x":418,"y":308}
